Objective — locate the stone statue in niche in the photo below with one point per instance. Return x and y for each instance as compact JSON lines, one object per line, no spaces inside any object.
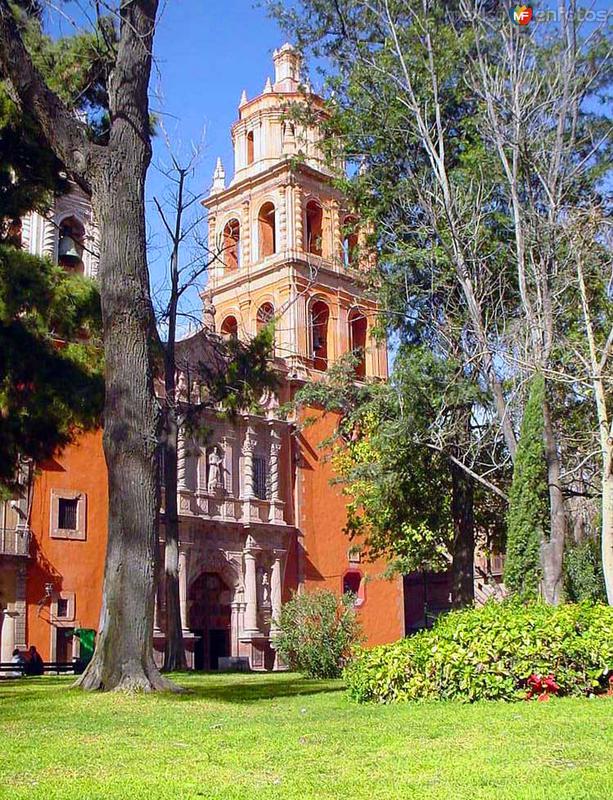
{"x":265,"y":589}
{"x":263,"y":586}
{"x":215,"y":479}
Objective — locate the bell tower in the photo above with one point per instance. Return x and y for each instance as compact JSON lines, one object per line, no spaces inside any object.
{"x":286,"y":245}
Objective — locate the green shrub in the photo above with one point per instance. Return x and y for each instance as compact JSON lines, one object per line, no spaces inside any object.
{"x":316,"y":633}
{"x":489,"y":653}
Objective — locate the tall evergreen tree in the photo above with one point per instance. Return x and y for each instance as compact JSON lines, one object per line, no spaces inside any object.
{"x":527,"y":518}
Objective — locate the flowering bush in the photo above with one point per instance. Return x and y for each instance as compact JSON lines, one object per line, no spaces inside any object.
{"x":492,"y":653}
{"x":316,"y":633}
{"x":541,"y":688}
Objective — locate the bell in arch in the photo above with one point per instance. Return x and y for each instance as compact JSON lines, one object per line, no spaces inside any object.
{"x":68,"y":250}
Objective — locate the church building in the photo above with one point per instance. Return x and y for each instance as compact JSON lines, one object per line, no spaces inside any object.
{"x":259,"y":515}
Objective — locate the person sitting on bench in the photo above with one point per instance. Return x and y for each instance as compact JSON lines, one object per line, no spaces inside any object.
{"x":34,"y":664}
{"x":18,"y":661}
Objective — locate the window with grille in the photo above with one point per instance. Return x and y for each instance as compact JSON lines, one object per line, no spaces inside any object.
{"x":260,"y":477}
{"x":62,"y":607}
{"x":67,"y":514}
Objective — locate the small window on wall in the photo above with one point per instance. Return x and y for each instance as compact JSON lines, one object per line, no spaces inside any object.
{"x":231,"y":245}
{"x":260,"y":477}
{"x":266,"y":230}
{"x":229,"y":328}
{"x":62,"y":607}
{"x":250,"y":148}
{"x":358,"y":327}
{"x":319,"y":318}
{"x":353,"y":583}
{"x":68,"y":514}
{"x":314,"y":227}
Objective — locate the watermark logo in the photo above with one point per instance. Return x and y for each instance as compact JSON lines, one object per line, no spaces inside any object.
{"x":520,"y":15}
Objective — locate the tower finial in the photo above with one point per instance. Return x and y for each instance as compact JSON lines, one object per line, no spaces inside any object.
{"x":219,"y":177}
{"x":267,"y":86}
{"x":243,"y":99}
{"x":287,"y":68}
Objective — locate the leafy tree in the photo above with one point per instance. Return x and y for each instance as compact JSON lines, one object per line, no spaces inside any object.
{"x":528,"y":514}
{"x":50,"y":359}
{"x":409,"y":501}
{"x":50,"y":325}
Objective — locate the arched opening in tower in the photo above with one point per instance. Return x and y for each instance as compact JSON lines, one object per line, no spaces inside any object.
{"x":266,"y":230}
{"x":314,"y":227}
{"x":229,"y":327}
{"x":357,"y":337}
{"x":71,"y":245}
{"x":250,"y":148}
{"x":350,"y":241}
{"x":231,"y":244}
{"x":319,"y":318}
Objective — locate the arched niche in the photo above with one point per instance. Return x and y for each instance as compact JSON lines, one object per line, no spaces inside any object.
{"x":358,"y":330}
{"x":319,"y":319}
{"x":267,"y":237}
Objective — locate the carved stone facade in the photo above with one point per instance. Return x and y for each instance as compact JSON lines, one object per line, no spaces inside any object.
{"x":232,"y":525}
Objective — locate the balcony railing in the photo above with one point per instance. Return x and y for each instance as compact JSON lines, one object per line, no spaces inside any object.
{"x":14,"y":542}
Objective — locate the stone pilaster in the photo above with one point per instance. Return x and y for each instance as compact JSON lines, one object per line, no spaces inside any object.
{"x":298,"y":218}
{"x":183,"y":588}
{"x":276,"y":589}
{"x":282,"y":204}
{"x":251,"y":595}
{"x":245,"y":244}
{"x":275,"y":500}
{"x":181,"y":461}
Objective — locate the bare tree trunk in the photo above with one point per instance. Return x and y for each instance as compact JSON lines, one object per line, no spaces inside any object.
{"x":607,"y":517}
{"x":463,"y":556}
{"x":605,"y":429}
{"x":552,"y":551}
{"x":174,"y":650}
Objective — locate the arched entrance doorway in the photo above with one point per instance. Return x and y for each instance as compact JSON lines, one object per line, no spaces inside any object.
{"x":210,"y":619}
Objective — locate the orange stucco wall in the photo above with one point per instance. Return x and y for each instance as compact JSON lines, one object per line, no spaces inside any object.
{"x":72,"y":566}
{"x":326,"y":545}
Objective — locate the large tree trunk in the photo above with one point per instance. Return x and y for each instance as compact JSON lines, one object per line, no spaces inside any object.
{"x":463,"y":555}
{"x":123,"y":658}
{"x":552,"y":550}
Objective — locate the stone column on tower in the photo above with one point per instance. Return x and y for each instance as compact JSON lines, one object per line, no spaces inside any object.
{"x":245,"y":235}
{"x":298,"y":218}
{"x":282,"y":202}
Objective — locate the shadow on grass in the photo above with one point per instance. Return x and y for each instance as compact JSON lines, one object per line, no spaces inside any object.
{"x":249,"y":688}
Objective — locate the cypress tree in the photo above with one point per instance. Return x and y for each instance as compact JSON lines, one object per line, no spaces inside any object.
{"x":528,"y":514}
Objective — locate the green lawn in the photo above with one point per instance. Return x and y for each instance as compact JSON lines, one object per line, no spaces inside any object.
{"x":279,"y":736}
